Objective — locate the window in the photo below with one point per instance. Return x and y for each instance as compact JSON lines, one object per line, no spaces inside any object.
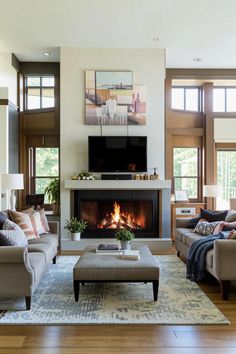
{"x":224,"y":99}
{"x":186,"y":170}
{"x":44,"y":166}
{"x":226,"y":177}
{"x":186,"y":98}
{"x":39,"y":92}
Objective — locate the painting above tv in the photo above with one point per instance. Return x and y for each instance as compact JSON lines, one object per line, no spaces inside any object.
{"x":117,"y":153}
{"x":112,"y":99}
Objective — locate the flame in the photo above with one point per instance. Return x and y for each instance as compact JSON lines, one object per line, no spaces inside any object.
{"x":116,"y":214}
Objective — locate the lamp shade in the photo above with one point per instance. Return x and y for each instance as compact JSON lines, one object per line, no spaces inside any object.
{"x":212,"y":191}
{"x":12,"y":181}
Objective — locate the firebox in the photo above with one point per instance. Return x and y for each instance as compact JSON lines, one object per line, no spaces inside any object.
{"x":107,"y":211}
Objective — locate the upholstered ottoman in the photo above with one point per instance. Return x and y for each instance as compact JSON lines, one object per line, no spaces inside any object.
{"x":93,"y":268}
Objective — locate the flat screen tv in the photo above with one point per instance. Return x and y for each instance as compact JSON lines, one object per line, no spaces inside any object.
{"x":117,"y":153}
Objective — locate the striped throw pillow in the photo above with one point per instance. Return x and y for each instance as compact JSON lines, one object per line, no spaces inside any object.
{"x":25,"y":223}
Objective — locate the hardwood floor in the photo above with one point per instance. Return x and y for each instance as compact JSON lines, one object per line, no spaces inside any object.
{"x":140,"y":339}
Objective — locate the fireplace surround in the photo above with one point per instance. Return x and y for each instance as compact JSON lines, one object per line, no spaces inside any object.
{"x":107,"y":210}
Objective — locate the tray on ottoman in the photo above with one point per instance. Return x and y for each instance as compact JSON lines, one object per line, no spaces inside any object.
{"x":94,"y":268}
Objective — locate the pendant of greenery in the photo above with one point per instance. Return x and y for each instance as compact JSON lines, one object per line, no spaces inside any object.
{"x":53,"y":190}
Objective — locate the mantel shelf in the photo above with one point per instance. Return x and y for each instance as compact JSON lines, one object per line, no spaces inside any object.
{"x":117,"y":184}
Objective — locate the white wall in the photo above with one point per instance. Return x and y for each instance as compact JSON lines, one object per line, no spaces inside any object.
{"x":148,"y":66}
{"x":8,"y":76}
{"x":225,"y":130}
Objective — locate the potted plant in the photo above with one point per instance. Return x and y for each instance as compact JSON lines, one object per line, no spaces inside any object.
{"x":53,"y":192}
{"x":125,"y":237}
{"x":75,"y":227}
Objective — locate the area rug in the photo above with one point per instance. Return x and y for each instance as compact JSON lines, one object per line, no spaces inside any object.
{"x":180,"y":301}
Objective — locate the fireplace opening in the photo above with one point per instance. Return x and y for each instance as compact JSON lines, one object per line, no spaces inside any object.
{"x":106,"y":211}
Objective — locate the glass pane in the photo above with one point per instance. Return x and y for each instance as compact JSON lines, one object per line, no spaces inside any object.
{"x":48,"y":99}
{"x":33,"y":81}
{"x":185,"y":161}
{"x":188,"y":184}
{"x":218,"y":100}
{"x":33,"y":98}
{"x":40,"y":185}
{"x":177,"y":98}
{"x":231,"y":99}
{"x":192,"y":99}
{"x":226,"y":177}
{"x":47,"y":161}
{"x":48,"y":81}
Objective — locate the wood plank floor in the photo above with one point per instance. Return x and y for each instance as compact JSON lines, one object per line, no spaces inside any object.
{"x":140,"y":339}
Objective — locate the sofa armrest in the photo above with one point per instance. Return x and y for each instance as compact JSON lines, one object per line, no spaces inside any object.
{"x":11,"y":254}
{"x":183,"y":222}
{"x":54,"y":227}
{"x":224,"y":252}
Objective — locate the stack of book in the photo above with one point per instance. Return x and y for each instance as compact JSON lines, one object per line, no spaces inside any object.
{"x":131,"y":254}
{"x":110,"y":249}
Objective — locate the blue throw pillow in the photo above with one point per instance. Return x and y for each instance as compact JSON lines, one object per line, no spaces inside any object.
{"x":213,"y":216}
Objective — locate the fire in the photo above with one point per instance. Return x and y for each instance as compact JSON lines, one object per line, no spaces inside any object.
{"x":118,"y":219}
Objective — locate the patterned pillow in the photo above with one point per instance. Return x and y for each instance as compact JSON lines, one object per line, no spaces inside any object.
{"x":24,"y":221}
{"x":39,"y":220}
{"x":13,"y":238}
{"x":205,"y":228}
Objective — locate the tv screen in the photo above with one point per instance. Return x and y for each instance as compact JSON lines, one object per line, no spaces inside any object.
{"x":117,"y":153}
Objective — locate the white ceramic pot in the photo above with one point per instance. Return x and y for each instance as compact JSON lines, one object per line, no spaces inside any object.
{"x":75,"y":236}
{"x":125,"y":245}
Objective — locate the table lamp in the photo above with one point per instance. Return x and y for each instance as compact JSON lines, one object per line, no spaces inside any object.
{"x":12,"y":182}
{"x":212,"y":191}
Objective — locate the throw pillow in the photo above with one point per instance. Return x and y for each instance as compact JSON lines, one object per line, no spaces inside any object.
{"x":3,"y":218}
{"x":212,"y":216}
{"x":232,"y":235}
{"x":13,"y":238}
{"x":39,"y":220}
{"x":231,"y":216}
{"x":24,"y":221}
{"x":193,"y":222}
{"x":205,"y":228}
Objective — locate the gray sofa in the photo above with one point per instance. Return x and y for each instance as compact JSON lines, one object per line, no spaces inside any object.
{"x":220,"y":261}
{"x":21,"y":268}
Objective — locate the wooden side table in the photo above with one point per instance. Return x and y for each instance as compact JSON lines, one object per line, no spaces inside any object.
{"x":184,"y":210}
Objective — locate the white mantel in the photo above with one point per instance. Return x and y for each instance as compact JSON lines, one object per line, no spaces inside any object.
{"x":117,"y":184}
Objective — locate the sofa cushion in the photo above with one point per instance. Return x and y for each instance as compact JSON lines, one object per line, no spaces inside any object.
{"x":212,"y":216}
{"x":209,"y":258}
{"x":45,"y":248}
{"x":231,"y":216}
{"x":189,"y":238}
{"x":51,"y":239}
{"x":38,"y":262}
{"x":3,"y":218}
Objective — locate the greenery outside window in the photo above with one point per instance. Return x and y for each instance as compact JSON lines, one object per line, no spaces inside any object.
{"x":186,"y":98}
{"x":39,"y":92}
{"x":226,"y":177}
{"x":186,"y":171}
{"x":44,"y":167}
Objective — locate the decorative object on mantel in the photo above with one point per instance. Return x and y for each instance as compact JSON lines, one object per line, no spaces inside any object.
{"x":53,"y":192}
{"x":74,"y":177}
{"x":85,"y":175}
{"x":111,"y":99}
{"x":75,"y":227}
{"x":155,"y":175}
{"x":125,"y":237}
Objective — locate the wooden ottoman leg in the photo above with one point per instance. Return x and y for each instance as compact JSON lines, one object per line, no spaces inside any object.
{"x":76,"y":289}
{"x":155,"y":286}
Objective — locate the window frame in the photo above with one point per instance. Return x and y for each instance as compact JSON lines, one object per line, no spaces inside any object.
{"x":199,"y":172}
{"x":225,"y":88}
{"x":41,"y":88}
{"x":185,"y":88}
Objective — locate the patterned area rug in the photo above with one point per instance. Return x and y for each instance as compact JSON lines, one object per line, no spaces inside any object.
{"x":180,"y":300}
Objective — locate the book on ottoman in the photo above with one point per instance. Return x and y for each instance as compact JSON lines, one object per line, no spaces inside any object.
{"x":131,"y":254}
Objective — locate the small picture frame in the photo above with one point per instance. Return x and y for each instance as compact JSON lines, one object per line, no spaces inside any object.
{"x":181,"y":196}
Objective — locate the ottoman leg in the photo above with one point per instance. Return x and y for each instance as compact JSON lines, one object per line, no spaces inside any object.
{"x":155,"y":286}
{"x":76,"y":290}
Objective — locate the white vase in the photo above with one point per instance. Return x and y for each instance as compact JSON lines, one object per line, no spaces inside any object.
{"x":125,"y":245}
{"x":75,"y":236}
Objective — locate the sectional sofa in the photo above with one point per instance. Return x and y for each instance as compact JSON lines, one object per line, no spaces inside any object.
{"x":21,"y":268}
{"x":220,"y":261}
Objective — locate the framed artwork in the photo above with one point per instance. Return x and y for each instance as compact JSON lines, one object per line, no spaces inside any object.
{"x":108,"y":96}
{"x":181,"y":196}
{"x":137,"y":116}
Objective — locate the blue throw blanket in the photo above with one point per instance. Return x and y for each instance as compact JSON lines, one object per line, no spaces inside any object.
{"x":197,"y":256}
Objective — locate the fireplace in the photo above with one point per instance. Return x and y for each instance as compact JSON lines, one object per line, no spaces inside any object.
{"x":107,"y":211}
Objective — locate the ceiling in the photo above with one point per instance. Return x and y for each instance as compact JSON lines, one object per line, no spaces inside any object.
{"x":188,"y":29}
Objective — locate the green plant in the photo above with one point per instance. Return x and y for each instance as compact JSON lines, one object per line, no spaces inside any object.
{"x":124,"y":235}
{"x":85,"y":175}
{"x":74,"y":225}
{"x":53,"y":190}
